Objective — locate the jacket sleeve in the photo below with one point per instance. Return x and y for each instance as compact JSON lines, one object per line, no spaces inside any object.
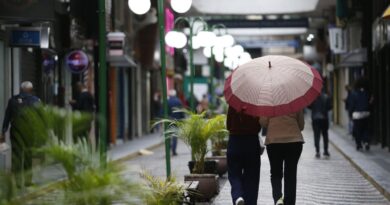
{"x":301,"y":120}
{"x":7,"y":117}
{"x":264,"y":121}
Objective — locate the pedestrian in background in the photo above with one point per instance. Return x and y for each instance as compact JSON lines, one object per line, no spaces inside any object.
{"x":284,"y":142}
{"x":84,"y":103}
{"x":21,"y":152}
{"x":347,"y":102}
{"x":174,"y":104}
{"x":360,"y":109}
{"x":243,"y":157}
{"x":320,"y":122}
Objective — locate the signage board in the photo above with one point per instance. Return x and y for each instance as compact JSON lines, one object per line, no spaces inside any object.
{"x":29,"y":37}
{"x":116,"y":42}
{"x":77,"y":61}
{"x":338,"y":40}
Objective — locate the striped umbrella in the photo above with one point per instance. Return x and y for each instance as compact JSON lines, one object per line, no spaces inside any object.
{"x":272,"y":86}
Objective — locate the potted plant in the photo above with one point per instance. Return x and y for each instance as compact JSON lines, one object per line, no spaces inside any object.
{"x":219,"y":144}
{"x":89,"y":178}
{"x":160,"y":191}
{"x":195,"y":131}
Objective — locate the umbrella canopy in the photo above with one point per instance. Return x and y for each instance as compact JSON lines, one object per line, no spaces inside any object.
{"x":272,"y":86}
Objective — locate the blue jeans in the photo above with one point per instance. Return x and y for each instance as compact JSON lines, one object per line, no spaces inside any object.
{"x":243,"y":157}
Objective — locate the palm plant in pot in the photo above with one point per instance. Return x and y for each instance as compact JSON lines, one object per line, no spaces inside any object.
{"x":195,"y":131}
{"x":219,"y":144}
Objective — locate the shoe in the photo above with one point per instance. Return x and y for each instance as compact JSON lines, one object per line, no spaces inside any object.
{"x":359,"y":148}
{"x":318,"y":155}
{"x":280,"y":201}
{"x":240,"y":201}
{"x":326,"y":154}
{"x":367,"y":146}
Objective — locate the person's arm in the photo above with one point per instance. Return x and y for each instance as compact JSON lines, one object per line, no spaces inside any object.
{"x":301,"y":120}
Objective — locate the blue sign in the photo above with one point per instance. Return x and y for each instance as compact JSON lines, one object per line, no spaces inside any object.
{"x":77,"y":61}
{"x":25,"y":37}
{"x":270,"y":43}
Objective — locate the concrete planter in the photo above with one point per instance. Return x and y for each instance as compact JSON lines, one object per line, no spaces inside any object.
{"x":221,"y":164}
{"x":208,"y":185}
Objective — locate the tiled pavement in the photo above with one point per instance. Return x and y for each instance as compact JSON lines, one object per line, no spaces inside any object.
{"x":320,"y":181}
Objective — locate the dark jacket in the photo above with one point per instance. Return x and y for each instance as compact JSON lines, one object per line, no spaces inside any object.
{"x":174,"y":103}
{"x":84,"y":102}
{"x":360,"y":101}
{"x":241,"y":124}
{"x":320,"y":107}
{"x":15,"y":106}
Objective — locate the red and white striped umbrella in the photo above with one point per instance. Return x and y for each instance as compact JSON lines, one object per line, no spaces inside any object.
{"x":272,"y":86}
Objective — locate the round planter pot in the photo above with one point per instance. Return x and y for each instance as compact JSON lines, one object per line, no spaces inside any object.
{"x":210,"y":166}
{"x":221,"y":164}
{"x":208,"y":185}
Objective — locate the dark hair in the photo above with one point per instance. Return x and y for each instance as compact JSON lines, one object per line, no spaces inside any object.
{"x":361,"y":83}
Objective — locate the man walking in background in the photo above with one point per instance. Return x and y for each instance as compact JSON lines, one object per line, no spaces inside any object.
{"x":320,"y":122}
{"x":174,"y":103}
{"x":21,"y":153}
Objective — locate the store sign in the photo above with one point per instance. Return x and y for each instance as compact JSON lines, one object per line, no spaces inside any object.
{"x":116,"y":42}
{"x":29,"y":37}
{"x":338,"y":40}
{"x":77,"y":61}
{"x":270,"y":43}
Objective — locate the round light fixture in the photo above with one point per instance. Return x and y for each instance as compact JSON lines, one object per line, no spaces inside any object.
{"x":227,"y":40}
{"x":175,"y":39}
{"x":181,"y":6}
{"x":244,"y":58}
{"x":195,"y":42}
{"x":139,"y":7}
{"x":207,"y":52}
{"x":206,"y":38}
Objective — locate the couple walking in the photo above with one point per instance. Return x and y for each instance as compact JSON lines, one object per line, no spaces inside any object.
{"x":269,"y":92}
{"x":284,"y":147}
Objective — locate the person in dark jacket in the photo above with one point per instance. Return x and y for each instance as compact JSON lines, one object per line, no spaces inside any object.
{"x":21,"y":153}
{"x":360,"y":109}
{"x":174,"y":103}
{"x":84,"y":102}
{"x":320,"y":122}
{"x":243,"y":157}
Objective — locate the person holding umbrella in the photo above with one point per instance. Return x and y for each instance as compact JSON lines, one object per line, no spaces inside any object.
{"x":284,"y":143}
{"x":243,"y":157}
{"x":276,"y":89}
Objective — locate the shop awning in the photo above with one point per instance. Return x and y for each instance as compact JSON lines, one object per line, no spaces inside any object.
{"x":354,"y":58}
{"x":121,"y":61}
